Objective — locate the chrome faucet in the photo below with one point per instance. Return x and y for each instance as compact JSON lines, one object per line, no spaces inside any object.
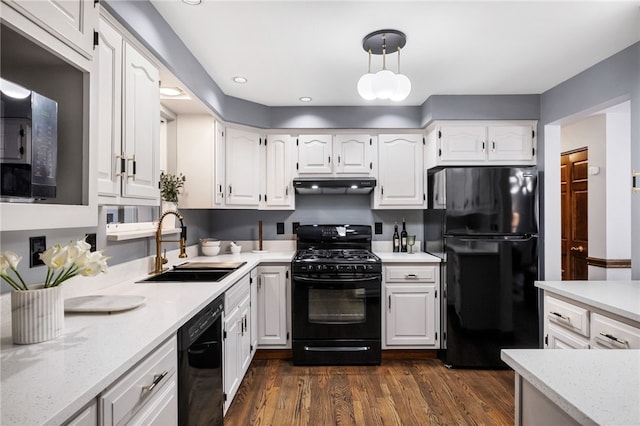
{"x":161,"y":260}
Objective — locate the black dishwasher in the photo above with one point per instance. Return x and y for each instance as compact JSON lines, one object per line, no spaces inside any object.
{"x":200,"y":391}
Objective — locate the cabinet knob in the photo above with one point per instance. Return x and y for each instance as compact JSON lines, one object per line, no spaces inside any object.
{"x":579,"y":249}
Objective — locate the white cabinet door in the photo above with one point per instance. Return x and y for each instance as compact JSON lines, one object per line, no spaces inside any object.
{"x":253,"y":328}
{"x":558,"y":338}
{"x":219,"y":154}
{"x":314,"y":155}
{"x":141,"y":123}
{"x":411,"y":315}
{"x":510,"y":143}
{"x":245,"y":334}
{"x":243,"y":168}
{"x":71,"y":21}
{"x":272,"y":306}
{"x":462,"y":143}
{"x":195,"y":159}
{"x":232,"y":355}
{"x":110,"y":118}
{"x":278,"y":182}
{"x":352,"y":154}
{"x":400,"y":175}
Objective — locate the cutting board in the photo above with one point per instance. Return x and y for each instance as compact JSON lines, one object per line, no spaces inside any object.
{"x":102,"y":303}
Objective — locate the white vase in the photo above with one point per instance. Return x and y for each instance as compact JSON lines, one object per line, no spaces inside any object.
{"x":171,"y":221}
{"x":36,"y":315}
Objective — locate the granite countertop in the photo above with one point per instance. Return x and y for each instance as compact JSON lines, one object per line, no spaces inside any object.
{"x":618,"y":297}
{"x":49,"y":382}
{"x":594,"y":387}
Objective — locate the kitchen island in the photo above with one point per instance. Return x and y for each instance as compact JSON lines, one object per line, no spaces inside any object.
{"x":581,"y":387}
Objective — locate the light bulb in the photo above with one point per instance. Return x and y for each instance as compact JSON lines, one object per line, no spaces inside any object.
{"x":403,"y":88}
{"x":384,"y":84}
{"x":364,"y":86}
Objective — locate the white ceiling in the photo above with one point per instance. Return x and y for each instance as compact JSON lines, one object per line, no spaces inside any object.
{"x":289,"y":49}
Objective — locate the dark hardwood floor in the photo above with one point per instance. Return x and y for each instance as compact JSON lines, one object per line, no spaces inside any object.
{"x":398,"y":392}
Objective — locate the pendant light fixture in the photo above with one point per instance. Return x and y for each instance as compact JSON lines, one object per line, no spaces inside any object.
{"x":384,"y":84}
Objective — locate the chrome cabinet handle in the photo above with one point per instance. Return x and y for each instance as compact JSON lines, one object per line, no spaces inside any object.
{"x":389,"y":302}
{"x":156,"y":379}
{"x":614,"y":338}
{"x":560,"y":316}
{"x":411,"y":276}
{"x":483,"y":143}
{"x":493,"y":146}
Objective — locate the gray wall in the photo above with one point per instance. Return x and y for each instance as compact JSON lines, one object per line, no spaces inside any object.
{"x":613,"y":80}
{"x":312,"y":209}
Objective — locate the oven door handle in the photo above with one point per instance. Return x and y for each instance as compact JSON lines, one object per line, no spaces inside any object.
{"x":334,"y":279}
{"x":337,"y":348}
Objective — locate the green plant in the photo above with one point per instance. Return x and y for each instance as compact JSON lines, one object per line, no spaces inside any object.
{"x":170,"y":186}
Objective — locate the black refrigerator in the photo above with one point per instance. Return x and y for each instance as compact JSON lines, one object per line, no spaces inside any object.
{"x":483,"y":223}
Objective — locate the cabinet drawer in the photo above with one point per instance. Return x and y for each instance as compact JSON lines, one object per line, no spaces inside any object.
{"x":568,"y":316}
{"x":135,"y":388}
{"x":410,"y":273}
{"x":234,"y":296}
{"x":607,"y":333}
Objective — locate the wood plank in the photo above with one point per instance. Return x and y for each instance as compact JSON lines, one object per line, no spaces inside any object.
{"x":398,"y":392}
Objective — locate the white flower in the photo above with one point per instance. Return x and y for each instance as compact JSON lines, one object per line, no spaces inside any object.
{"x":11,"y":258}
{"x":63,"y":262}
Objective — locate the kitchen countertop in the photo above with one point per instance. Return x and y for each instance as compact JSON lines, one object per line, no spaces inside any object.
{"x":618,"y":297}
{"x":592,"y":386}
{"x":50,"y":381}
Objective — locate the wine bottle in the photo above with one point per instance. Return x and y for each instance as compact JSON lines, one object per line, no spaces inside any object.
{"x":403,"y":237}
{"x":396,"y":239}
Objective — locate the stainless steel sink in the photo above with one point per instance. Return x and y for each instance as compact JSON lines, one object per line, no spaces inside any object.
{"x":178,"y":275}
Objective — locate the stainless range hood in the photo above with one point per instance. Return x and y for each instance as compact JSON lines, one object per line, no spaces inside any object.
{"x":329,"y":185}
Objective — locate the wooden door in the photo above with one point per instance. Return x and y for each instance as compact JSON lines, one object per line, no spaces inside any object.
{"x":574,"y":207}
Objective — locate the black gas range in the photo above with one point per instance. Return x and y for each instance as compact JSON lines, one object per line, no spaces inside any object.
{"x":336,"y":296}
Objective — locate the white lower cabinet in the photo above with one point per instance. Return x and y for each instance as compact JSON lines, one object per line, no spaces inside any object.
{"x":570,"y":324}
{"x":274,"y":302}
{"x":411,"y":306}
{"x":88,"y":416}
{"x":237,"y":337}
{"x":147,"y":394}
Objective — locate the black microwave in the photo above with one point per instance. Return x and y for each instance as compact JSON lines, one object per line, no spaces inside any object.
{"x":28,"y":143}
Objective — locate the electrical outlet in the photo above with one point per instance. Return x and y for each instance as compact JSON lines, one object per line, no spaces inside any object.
{"x":279,"y":228}
{"x":91,"y":240}
{"x":378,"y":228}
{"x":295,"y":227}
{"x":36,"y":246}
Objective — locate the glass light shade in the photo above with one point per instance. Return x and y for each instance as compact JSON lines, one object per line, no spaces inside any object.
{"x":403,"y":88}
{"x":364,"y":87}
{"x":14,"y":90}
{"x":384,"y":84}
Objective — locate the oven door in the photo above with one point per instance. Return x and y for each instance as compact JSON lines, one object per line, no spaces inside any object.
{"x":336,"y":307}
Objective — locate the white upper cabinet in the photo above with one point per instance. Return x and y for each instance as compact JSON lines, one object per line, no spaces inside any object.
{"x":314,"y":154}
{"x":129,"y":125}
{"x":218,"y":173}
{"x":195,"y":159}
{"x":244,"y":170}
{"x":480,"y":143}
{"x":278,"y":192}
{"x":71,"y":21}
{"x":36,"y":55}
{"x":353,"y":154}
{"x":400,"y":175}
{"x":335,"y":155}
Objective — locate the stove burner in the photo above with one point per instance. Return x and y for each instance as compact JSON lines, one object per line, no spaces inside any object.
{"x":359,"y":255}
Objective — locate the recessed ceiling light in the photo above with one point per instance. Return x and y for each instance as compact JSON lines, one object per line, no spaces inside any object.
{"x":305,"y":99}
{"x":240,"y":80}
{"x":170,"y":91}
{"x":192,"y":2}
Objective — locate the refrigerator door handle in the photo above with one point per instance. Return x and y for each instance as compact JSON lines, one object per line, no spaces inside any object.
{"x":497,"y":238}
